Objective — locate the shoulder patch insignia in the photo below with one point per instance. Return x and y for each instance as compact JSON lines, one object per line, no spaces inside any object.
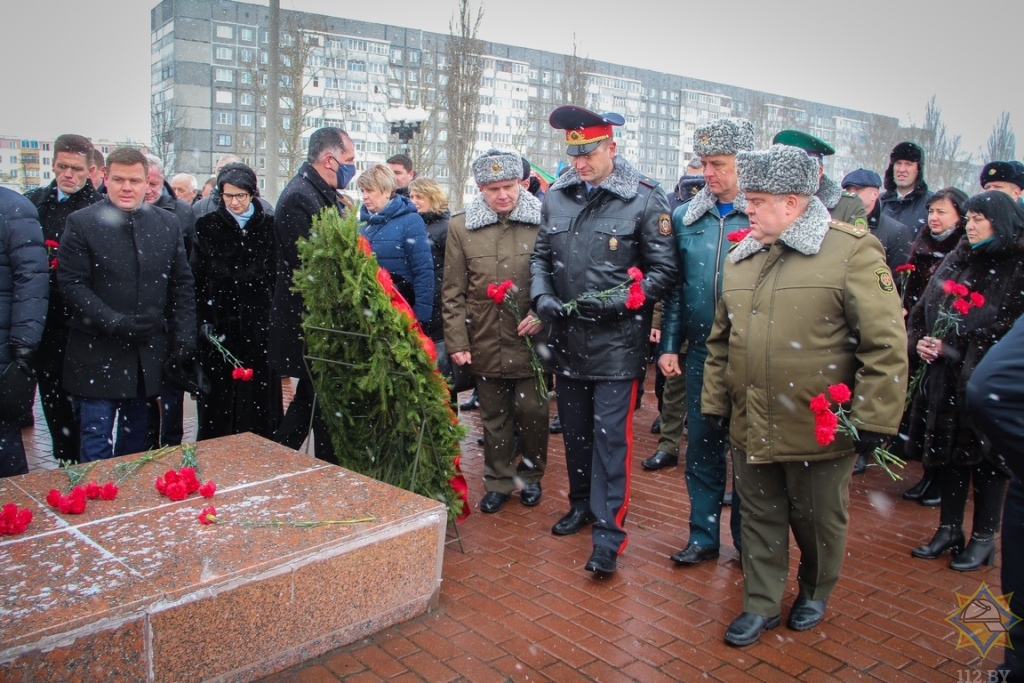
{"x":861,"y":222}
{"x":885,"y":280}
{"x":665,"y":224}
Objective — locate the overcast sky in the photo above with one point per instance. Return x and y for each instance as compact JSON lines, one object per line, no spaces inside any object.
{"x":83,"y":66}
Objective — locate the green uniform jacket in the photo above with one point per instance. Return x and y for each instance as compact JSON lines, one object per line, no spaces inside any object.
{"x":842,"y":206}
{"x":816,"y":308}
{"x":483,"y":249}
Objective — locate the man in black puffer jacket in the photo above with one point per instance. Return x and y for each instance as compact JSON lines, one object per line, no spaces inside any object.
{"x":71,"y":190}
{"x":599,"y":221}
{"x":906,"y":194}
{"x":23,"y":292}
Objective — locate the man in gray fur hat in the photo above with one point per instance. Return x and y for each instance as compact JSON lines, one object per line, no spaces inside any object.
{"x":702,"y":228}
{"x":490,"y":243}
{"x":813,"y":302}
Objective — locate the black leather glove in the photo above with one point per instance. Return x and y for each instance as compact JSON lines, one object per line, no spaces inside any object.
{"x":136,"y":328}
{"x":720,"y":423}
{"x":600,"y":308}
{"x":23,"y":356}
{"x":548,"y":308}
{"x":206,"y":331}
{"x":869,"y":441}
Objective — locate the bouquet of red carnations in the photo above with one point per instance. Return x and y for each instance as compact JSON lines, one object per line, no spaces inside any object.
{"x":827,"y":423}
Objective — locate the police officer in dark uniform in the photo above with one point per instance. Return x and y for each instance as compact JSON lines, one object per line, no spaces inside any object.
{"x":843,"y":206}
{"x":599,"y":219}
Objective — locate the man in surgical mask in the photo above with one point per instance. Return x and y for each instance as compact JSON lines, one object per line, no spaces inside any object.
{"x":329,"y":167}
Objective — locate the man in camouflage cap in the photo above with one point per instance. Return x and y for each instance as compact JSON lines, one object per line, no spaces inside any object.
{"x":807,"y":303}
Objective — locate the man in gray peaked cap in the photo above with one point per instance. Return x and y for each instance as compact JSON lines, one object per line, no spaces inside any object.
{"x":814,"y":303}
{"x":490,"y":243}
{"x":701,"y":227}
{"x":600,"y":220}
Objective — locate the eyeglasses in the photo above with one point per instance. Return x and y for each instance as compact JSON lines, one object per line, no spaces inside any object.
{"x":241,"y":197}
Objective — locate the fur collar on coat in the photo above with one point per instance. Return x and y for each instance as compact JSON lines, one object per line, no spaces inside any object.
{"x":704,"y":201}
{"x":621,"y":182}
{"x":479,"y":214}
{"x":804,"y":235}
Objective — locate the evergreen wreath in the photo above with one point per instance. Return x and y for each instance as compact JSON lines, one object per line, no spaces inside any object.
{"x":377,"y":385}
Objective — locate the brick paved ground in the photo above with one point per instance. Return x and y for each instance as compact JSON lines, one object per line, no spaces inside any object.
{"x":518,"y":606}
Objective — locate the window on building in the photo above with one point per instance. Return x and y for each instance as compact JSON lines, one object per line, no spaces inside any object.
{"x":245,"y":120}
{"x":356,"y":45}
{"x":223,"y":140}
{"x":246,"y":54}
{"x":246,"y":78}
{"x":225,"y":118}
{"x":396,"y":55}
{"x":224,"y":53}
{"x":225,"y":31}
{"x":224,"y":75}
{"x":223,"y":97}
{"x":246,"y":34}
{"x":411,"y":76}
{"x":354,"y":65}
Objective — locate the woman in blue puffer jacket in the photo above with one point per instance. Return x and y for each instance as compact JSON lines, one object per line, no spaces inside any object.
{"x":398,"y":237}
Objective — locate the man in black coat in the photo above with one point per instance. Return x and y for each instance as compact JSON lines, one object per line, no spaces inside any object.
{"x":330,"y":164}
{"x":126,"y":280}
{"x":166,"y":416}
{"x":906,"y":194}
{"x":600,"y":220}
{"x":894,"y":236}
{"x":71,"y":190}
{"x":23,"y":292}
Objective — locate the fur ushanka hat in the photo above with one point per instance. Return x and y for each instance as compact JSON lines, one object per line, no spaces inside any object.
{"x":724,"y":136}
{"x":782,"y":169}
{"x":496,"y":165}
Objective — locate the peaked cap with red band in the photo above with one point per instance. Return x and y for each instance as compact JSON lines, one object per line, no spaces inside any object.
{"x":584,"y":130}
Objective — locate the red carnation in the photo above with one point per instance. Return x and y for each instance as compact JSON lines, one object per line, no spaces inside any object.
{"x":824,"y":435}
{"x":820,"y":404}
{"x":962,"y":306}
{"x":52,"y":244}
{"x":53,"y":498}
{"x":826,"y":418}
{"x":14,"y":521}
{"x":188,"y":478}
{"x":948,"y":287}
{"x":208,"y":489}
{"x":108,"y":491}
{"x":977,"y":300}
{"x":73,"y":503}
{"x":177,"y":491}
{"x":247,"y":374}
{"x":92,"y":490}
{"x":53,"y":263}
{"x":635,"y":273}
{"x":961,"y":290}
{"x":738,"y":235}
{"x":840,"y":393}
{"x":906,"y":268}
{"x":636,"y":297}
{"x":208,"y":515}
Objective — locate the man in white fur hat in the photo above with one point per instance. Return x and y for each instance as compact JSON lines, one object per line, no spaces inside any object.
{"x":807,"y":303}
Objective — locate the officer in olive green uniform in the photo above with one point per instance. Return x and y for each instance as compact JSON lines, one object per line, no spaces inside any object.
{"x":843,"y":206}
{"x":807,"y":303}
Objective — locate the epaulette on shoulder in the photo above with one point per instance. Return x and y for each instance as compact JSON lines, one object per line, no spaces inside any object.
{"x":649,"y":182}
{"x":848,"y":194}
{"x":849,"y":229}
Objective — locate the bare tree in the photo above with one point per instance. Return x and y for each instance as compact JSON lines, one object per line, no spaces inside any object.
{"x":1002,"y":143}
{"x":770,"y":114}
{"x":165,"y":119}
{"x":459,"y":95}
{"x":880,"y":135}
{"x":946,"y":163}
{"x":577,"y":76}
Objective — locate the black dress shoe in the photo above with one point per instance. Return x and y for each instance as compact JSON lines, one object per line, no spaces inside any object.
{"x":979,"y":551}
{"x":918,"y":490}
{"x":932,"y":497}
{"x":472,"y":403}
{"x":861,"y":465}
{"x":806,"y":614}
{"x":656,"y":425}
{"x":747,"y":628}
{"x":660,"y":459}
{"x":529,"y":495}
{"x":602,"y":560}
{"x":493,"y":501}
{"x":693,"y":554}
{"x":727,"y":499}
{"x":573,"y":521}
{"x":947,"y":537}
{"x":556,"y":425}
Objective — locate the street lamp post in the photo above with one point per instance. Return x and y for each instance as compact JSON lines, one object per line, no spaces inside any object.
{"x":405,"y":123}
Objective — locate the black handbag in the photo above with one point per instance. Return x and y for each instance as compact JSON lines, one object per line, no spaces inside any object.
{"x":17,"y":388}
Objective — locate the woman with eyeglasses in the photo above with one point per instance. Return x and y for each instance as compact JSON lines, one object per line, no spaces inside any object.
{"x":988,"y":261}
{"x":234,"y":274}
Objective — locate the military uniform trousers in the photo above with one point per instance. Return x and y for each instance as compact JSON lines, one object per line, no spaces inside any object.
{"x":706,"y":464}
{"x":673,"y":410}
{"x":811,"y":498}
{"x":507,"y":404}
{"x":597,"y":425}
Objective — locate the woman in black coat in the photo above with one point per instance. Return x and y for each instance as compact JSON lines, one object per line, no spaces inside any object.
{"x":989,"y":260}
{"x":234,"y":271}
{"x":432,"y":205}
